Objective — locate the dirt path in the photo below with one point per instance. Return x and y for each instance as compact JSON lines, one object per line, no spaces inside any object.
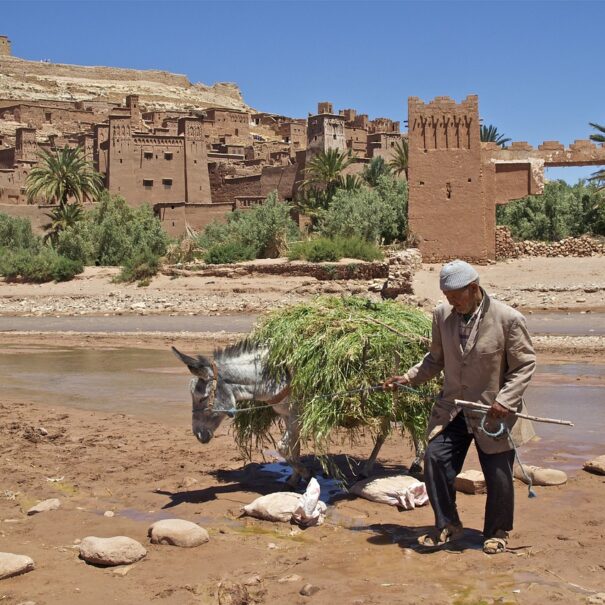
{"x":365,"y":553}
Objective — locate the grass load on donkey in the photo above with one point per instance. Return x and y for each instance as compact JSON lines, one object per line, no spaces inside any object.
{"x":332,"y":350}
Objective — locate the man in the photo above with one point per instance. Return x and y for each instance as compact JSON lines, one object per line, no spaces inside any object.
{"x":486,"y":354}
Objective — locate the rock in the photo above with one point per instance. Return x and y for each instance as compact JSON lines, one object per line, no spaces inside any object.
{"x":309,"y":590}
{"x":541,"y":476}
{"x":597,"y":465}
{"x":45,"y":506}
{"x":119,"y":550}
{"x":596,"y":599}
{"x":231,"y":593}
{"x":470,"y":482}
{"x":177,"y":532}
{"x":109,"y":513}
{"x":293,"y":577}
{"x":188,"y":482}
{"x":253,"y":580}
{"x":13,"y":565}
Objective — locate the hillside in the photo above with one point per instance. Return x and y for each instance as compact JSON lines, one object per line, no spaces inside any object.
{"x":38,"y":80}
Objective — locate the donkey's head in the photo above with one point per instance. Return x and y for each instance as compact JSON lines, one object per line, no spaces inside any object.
{"x":213,"y":399}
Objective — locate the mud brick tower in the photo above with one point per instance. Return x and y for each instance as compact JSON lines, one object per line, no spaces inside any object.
{"x":448,"y":211}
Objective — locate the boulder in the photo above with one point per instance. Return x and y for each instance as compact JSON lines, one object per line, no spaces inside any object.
{"x":177,"y":532}
{"x":597,"y":465}
{"x":13,"y":565}
{"x":541,"y":476}
{"x":119,"y":550}
{"x":44,"y":506}
{"x":470,"y":482}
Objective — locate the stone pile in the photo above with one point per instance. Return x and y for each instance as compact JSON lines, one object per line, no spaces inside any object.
{"x":506,"y":247}
{"x":402,"y":266}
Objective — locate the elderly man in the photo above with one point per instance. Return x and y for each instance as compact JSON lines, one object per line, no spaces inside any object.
{"x":486,"y":354}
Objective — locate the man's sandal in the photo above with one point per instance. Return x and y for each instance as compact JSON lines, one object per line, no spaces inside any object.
{"x":441,"y":537}
{"x":494,"y":545}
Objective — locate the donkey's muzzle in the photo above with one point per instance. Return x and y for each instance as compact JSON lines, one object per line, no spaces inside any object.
{"x":203,"y":435}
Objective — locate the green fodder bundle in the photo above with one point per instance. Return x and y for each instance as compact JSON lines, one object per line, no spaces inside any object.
{"x":333,"y":345}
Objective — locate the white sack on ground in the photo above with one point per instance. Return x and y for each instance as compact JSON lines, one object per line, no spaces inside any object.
{"x":306,"y":509}
{"x":310,"y":510}
{"x":540,"y":476}
{"x":399,"y":490}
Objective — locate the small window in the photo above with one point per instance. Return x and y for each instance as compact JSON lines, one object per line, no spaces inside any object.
{"x":148,"y":155}
{"x":236,"y":132}
{"x":167,"y":155}
{"x":167,"y":183}
{"x":148,"y":183}
{"x":48,"y":116}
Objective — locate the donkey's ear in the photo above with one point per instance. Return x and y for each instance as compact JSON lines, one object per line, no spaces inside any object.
{"x":199,"y":366}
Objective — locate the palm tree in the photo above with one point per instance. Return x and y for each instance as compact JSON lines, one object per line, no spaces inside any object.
{"x":399,"y":163}
{"x":374,"y":170}
{"x":61,"y":217}
{"x":490,"y":134}
{"x":62,"y":175}
{"x":324,"y":173}
{"x":599,"y":137}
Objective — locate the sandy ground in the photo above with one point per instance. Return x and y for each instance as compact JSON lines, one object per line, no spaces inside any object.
{"x":529,"y":284}
{"x":365,"y":553}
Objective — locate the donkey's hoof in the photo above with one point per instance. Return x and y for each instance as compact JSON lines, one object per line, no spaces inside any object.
{"x":416,"y":468}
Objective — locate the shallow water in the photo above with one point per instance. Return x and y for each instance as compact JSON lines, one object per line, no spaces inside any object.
{"x":153,"y":384}
{"x":570,"y":324}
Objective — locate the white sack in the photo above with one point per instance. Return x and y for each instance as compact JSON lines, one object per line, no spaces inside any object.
{"x":310,"y":510}
{"x":306,"y":509}
{"x":399,"y":490}
{"x":273,"y":507}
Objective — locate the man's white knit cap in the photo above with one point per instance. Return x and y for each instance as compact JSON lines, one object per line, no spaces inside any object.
{"x":456,"y":274}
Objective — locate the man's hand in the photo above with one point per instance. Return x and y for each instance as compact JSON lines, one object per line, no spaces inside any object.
{"x":498,"y":411}
{"x":390,"y":384}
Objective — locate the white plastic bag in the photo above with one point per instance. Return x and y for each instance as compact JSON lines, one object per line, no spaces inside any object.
{"x":310,"y":510}
{"x":399,"y":490}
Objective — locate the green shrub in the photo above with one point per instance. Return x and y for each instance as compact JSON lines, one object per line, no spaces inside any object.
{"x":39,"y":267}
{"x":142,"y":265}
{"x":229,"y":252}
{"x":265,"y":229}
{"x":16,"y":233}
{"x":324,"y":249}
{"x":376,"y":215}
{"x":561,"y":211}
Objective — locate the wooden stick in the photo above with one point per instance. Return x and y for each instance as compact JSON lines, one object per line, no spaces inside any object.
{"x":483,"y":406}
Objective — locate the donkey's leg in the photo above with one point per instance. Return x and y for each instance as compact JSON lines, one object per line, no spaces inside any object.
{"x":419,"y":449}
{"x":385,"y":426}
{"x":290,"y":450}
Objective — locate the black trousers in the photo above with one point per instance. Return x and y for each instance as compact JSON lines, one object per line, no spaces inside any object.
{"x":443,"y":460}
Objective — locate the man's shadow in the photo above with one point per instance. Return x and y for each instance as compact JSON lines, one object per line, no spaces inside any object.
{"x":407,"y":537}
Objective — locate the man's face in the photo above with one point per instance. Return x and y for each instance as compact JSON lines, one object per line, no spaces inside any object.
{"x":463,"y":299}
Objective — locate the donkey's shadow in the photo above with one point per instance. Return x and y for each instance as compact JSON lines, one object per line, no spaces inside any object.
{"x":270,"y":477}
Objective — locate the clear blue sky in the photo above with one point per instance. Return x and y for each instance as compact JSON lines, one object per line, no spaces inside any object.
{"x":536,"y":66}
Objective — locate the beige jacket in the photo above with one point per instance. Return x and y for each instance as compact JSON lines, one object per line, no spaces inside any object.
{"x":496,"y":365}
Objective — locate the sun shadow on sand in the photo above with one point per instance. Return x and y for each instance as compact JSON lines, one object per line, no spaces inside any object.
{"x":270,"y":477}
{"x":407,"y":537}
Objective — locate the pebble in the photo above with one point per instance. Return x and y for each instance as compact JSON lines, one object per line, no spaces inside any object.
{"x":109,"y":513}
{"x":177,"y":532}
{"x":309,"y":590}
{"x":13,"y":565}
{"x":294,"y":577}
{"x":45,"y":506}
{"x":118,"y":550}
{"x":253,"y":580}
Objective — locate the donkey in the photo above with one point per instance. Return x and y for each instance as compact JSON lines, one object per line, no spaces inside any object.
{"x":239,"y":373}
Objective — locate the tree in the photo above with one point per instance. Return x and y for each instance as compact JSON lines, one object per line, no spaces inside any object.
{"x":490,"y":134}
{"x":63,"y":175}
{"x":61,"y":218}
{"x":599,"y":137}
{"x":324,"y":174}
{"x":374,"y":170}
{"x":399,"y":163}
